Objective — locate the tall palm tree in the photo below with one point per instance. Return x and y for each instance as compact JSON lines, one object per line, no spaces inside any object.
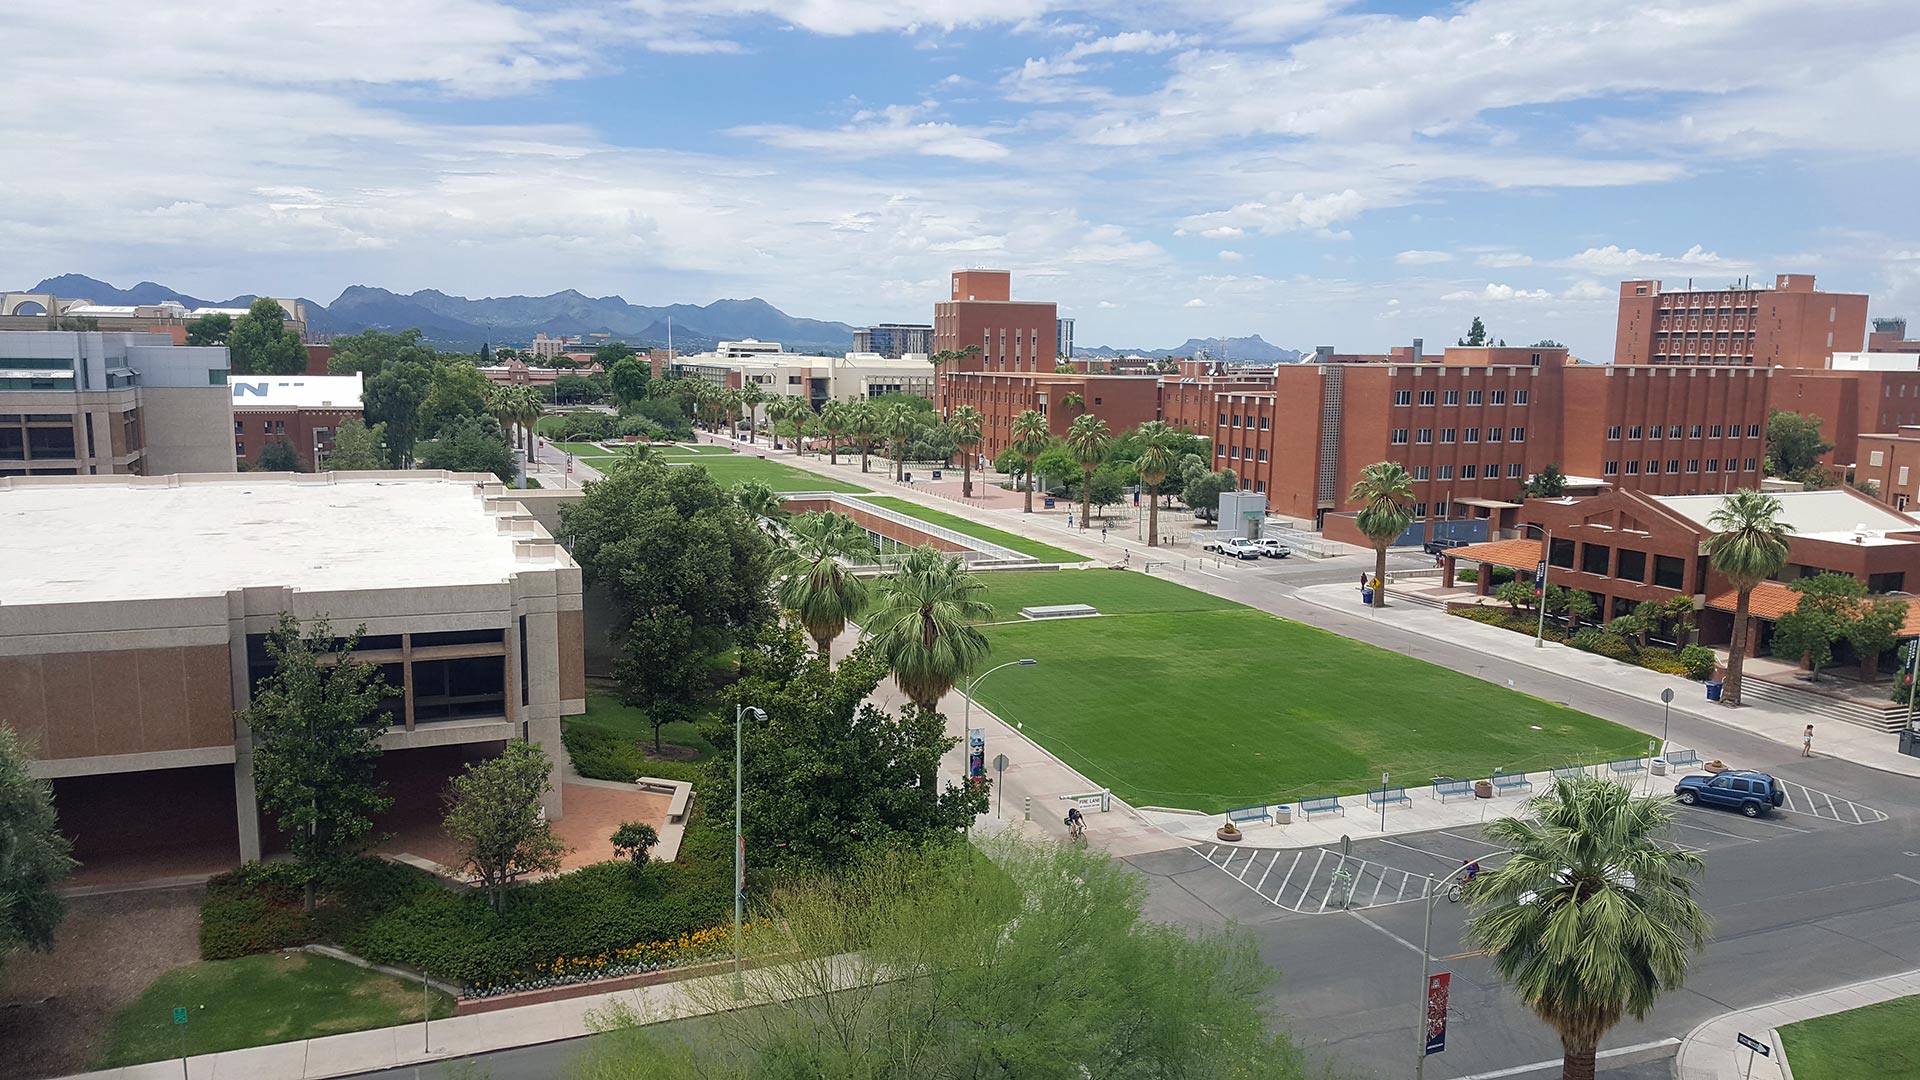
{"x":760,"y":502}
{"x":863,"y":423}
{"x":816,"y":584}
{"x":1031,"y":437}
{"x":524,"y":410}
{"x":752,"y":397}
{"x":1155,"y":463}
{"x":1385,"y":492}
{"x":1088,"y":440}
{"x":924,"y":615}
{"x":730,"y":407}
{"x":1592,"y":918}
{"x":632,"y":455}
{"x":1074,"y":403}
{"x":968,"y":427}
{"x":898,"y":423}
{"x":1749,"y":545}
{"x":497,"y":399}
{"x":833,"y":421}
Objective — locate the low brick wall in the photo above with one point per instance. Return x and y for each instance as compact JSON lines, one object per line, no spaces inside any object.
{"x":905,"y":534}
{"x":472,"y":1006}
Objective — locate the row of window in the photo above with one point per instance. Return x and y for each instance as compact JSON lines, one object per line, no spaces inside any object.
{"x":1676,"y":431}
{"x":1423,"y":436}
{"x":1452,"y":397}
{"x":1612,"y":468}
{"x":1467,"y":472}
{"x":1232,"y":453}
{"x":1237,"y":418}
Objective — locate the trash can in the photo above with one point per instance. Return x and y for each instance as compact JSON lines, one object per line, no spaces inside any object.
{"x":1283,"y":814}
{"x":1049,"y":504}
{"x":1659,"y":766}
{"x":1714,"y":686}
{"x":936,"y":474}
{"x":1366,"y":597}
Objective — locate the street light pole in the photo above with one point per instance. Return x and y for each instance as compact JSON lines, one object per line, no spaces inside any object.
{"x":739,"y":840}
{"x":967,"y":713}
{"x":1546,"y":573}
{"x":1426,"y":970}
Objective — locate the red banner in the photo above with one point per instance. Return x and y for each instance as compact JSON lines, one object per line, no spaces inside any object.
{"x":1437,"y":1011}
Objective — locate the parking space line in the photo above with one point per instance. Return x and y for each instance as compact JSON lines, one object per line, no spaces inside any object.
{"x":1416,"y":949}
{"x":1262,"y":883}
{"x":1251,"y":856}
{"x":1829,"y":798}
{"x":1402,"y":894}
{"x":1786,"y":789}
{"x":1277,"y":893}
{"x":1717,"y":832}
{"x":1308,"y":886}
{"x":1379,"y":882}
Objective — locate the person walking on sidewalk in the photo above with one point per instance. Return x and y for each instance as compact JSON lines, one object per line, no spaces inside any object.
{"x":1806,"y":742}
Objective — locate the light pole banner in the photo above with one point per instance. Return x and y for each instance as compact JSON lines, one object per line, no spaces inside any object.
{"x":1437,"y":1011}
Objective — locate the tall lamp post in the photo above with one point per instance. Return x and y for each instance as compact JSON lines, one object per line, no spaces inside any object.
{"x":1426,"y":970}
{"x":739,"y":839}
{"x":967,"y":713}
{"x":1546,"y":572}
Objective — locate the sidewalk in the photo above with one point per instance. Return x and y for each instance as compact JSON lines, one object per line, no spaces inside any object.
{"x":1835,"y":739}
{"x":1711,"y":1051}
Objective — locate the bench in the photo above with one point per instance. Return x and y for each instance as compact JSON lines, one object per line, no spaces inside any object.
{"x":679,"y":793}
{"x":1383,"y":796}
{"x":1248,"y":813}
{"x":1444,"y":789}
{"x":1510,"y":781}
{"x":1569,"y":772}
{"x":1683,"y":758}
{"x":1322,"y":803}
{"x":1626,"y":766}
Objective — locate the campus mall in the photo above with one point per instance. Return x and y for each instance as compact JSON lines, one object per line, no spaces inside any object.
{"x":133,"y":620}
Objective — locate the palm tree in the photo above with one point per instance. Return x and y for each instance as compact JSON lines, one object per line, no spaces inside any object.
{"x":1385,"y":491}
{"x":833,"y":421}
{"x":1087,"y":440}
{"x":967,"y":426}
{"x":1031,"y":438}
{"x":816,"y":584}
{"x":923,"y":618}
{"x":1073,"y":403}
{"x":941,"y":359}
{"x":863,"y":423}
{"x":1749,"y":545}
{"x":730,"y":406}
{"x":498,"y":401}
{"x":631,"y":455}
{"x":1155,"y":463}
{"x":1592,"y":918}
{"x":760,"y":502}
{"x":898,"y":423}
{"x":752,"y":397}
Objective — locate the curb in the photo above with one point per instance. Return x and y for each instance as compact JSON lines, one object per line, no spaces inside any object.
{"x":1695,"y":1042}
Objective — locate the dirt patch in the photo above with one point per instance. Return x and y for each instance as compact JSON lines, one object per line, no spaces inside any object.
{"x":671,"y":752}
{"x":55,"y":1007}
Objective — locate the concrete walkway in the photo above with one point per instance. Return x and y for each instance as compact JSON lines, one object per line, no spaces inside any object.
{"x":1712,"y":1051}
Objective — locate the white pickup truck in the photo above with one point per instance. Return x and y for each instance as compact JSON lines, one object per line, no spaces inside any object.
{"x":1273,"y":549}
{"x":1237,"y":547}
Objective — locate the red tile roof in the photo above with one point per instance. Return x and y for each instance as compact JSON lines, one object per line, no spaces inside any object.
{"x":1771,"y":600}
{"x":1513,"y":554}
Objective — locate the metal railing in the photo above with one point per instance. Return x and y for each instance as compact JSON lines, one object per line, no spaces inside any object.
{"x":972,"y":547}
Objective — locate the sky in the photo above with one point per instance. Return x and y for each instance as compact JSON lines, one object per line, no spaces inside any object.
{"x":1319,"y":172}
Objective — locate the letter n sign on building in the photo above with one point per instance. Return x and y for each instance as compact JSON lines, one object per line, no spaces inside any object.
{"x":1437,"y":1011}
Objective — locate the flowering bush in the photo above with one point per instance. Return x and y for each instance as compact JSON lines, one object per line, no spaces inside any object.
{"x":632,"y":960}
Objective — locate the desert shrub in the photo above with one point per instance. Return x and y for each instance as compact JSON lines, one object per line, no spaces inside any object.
{"x":1698,"y":661}
{"x":1470,"y":575}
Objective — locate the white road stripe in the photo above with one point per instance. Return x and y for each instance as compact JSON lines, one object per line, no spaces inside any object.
{"x":1308,"y":887}
{"x":1379,"y":881}
{"x":1251,"y":856}
{"x":1416,"y":949}
{"x":1716,"y":832}
{"x":1829,"y":798}
{"x":1786,"y":788}
{"x":1262,"y":883}
{"x":1404,"y":878}
{"x":1854,"y":808}
{"x":1281,"y":891}
{"x":1542,"y":1066}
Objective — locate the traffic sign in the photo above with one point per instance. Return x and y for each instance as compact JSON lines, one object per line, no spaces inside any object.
{"x":179,"y":1015}
{"x":1667,"y":695}
{"x":1000,"y":763}
{"x":1754,"y":1045}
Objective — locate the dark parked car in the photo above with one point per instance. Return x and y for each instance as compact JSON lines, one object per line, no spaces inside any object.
{"x":1751,"y":793}
{"x":1435,"y":547}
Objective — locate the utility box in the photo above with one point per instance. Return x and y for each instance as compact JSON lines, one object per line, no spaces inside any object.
{"x":1241,"y":514}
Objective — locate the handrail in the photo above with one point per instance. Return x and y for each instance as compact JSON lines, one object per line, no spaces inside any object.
{"x":986,"y":549}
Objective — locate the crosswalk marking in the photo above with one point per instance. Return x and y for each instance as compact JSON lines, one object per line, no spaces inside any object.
{"x":1809,"y":802}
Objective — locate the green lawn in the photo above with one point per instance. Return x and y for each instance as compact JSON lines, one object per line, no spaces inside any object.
{"x":605,"y":711}
{"x":1873,"y":1041}
{"x":1035,"y":548}
{"x":255,"y":1000}
{"x":728,"y":470}
{"x":1179,"y":698}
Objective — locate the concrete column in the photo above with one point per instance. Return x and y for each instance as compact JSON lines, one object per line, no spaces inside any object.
{"x":1484,"y":586}
{"x":246,"y":802}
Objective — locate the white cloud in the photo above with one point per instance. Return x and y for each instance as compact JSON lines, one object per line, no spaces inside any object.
{"x":1292,"y":214}
{"x":1232,"y":256}
{"x":1590,"y":290}
{"x":1500,"y":260}
{"x":1497,"y":293}
{"x":1196,"y":302}
{"x":1133,"y":41}
{"x":1613,"y":259}
{"x":1222,"y":232}
{"x":1421,"y":258}
{"x":883,"y":132}
{"x":1107,"y":305}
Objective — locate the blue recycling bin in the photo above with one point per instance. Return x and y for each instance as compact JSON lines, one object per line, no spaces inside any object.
{"x":936,"y":474}
{"x":1714,"y":686}
{"x":1049,"y":505}
{"x":1366,"y":597}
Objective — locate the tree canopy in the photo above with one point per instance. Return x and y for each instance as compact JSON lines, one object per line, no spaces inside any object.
{"x":279,"y":456}
{"x":34,"y":855}
{"x":494,"y":819}
{"x":357,"y":447}
{"x":470,"y":444}
{"x":629,"y":378}
{"x":1476,"y":334}
{"x":1794,"y":447}
{"x":261,"y":342}
{"x":210,"y":329}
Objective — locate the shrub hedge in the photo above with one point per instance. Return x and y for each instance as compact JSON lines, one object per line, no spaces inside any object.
{"x":1693,"y":661}
{"x":600,"y":754}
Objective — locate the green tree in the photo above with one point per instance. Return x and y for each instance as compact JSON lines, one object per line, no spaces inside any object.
{"x":392,"y":397}
{"x":279,"y":456}
{"x":1575,"y":605}
{"x":1794,"y":447}
{"x":1593,"y":917}
{"x":1031,"y":437}
{"x":1517,"y":594}
{"x":1156,"y":463}
{"x":634,"y":840}
{"x":1073,"y":404}
{"x":34,"y":855}
{"x":1107,"y":488}
{"x":967,"y":427}
{"x":752,"y":396}
{"x":863,"y":425}
{"x":760,"y":502}
{"x":1749,"y":545}
{"x":1056,"y":463}
{"x":1203,"y":490}
{"x":628,"y":380}
{"x":262,"y":343}
{"x":472,"y":444}
{"x":1548,"y":483}
{"x":1385,"y":494}
{"x":833,"y":422}
{"x":578,"y":389}
{"x":454,"y":393}
{"x":1087,"y":441}
{"x":816,"y":584}
{"x":1677,"y":613}
{"x":1877,"y":625}
{"x":898,"y":422}
{"x":495,"y":821}
{"x":1010,"y":463}
{"x":924,"y":618}
{"x":316,"y":723}
{"x":357,"y":448}
{"x":210,"y":329}
{"x":1476,"y":334}
{"x":612,"y":353}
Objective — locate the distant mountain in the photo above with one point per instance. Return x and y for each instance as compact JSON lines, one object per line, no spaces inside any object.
{"x":460,"y":322}
{"x":1252,"y":349}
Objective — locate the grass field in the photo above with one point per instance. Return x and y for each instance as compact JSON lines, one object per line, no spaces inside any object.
{"x":1178,"y":698}
{"x":731,"y":469}
{"x":1873,"y":1041}
{"x":1035,"y":548}
{"x":257,"y":1000}
{"x":605,"y":711}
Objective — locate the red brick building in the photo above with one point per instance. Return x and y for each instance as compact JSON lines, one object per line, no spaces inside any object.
{"x":302,"y":410}
{"x":1790,"y":325}
{"x":1123,"y":401}
{"x":1011,"y":335}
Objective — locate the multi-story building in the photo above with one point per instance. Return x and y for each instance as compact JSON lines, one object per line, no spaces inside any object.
{"x":302,"y":411}
{"x":1889,"y":335}
{"x":546,"y":348}
{"x":1790,"y":325}
{"x":1123,"y":401}
{"x":43,"y":311}
{"x":1063,"y":339}
{"x":894,"y":340}
{"x":86,"y":403}
{"x":817,"y":379}
{"x":1010,"y":335}
{"x":136,"y":617}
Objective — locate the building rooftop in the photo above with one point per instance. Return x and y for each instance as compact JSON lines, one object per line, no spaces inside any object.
{"x":295,"y":391}
{"x":87,"y":539}
{"x":1832,"y":515}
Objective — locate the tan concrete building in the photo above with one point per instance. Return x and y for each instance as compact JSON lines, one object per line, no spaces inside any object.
{"x":134,"y":613}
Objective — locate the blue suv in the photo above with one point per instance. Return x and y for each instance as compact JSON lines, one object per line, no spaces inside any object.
{"x":1751,"y":793}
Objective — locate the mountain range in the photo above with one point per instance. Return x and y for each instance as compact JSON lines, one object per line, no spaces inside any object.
{"x":464,"y":323}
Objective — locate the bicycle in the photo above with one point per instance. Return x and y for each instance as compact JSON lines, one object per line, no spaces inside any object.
{"x":1454,"y":893}
{"x":1077,"y":830}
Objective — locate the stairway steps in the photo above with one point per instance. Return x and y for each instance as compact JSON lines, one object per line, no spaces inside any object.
{"x":1889,"y":717}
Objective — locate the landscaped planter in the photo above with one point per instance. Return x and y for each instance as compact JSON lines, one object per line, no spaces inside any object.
{"x":1228,"y":833}
{"x":1483,"y":789}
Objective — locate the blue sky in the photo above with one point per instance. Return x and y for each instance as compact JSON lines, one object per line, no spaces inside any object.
{"x":1315,"y":171}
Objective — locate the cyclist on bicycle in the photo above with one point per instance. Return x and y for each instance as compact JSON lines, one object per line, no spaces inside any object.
{"x":1076,"y":823}
{"x":1473,"y":869}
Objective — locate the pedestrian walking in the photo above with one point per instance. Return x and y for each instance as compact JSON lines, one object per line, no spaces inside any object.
{"x":1103,"y":534}
{"x":1806,"y":742}
{"x":1069,"y":519}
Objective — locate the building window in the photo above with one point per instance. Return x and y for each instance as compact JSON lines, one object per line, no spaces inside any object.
{"x":1223,"y":419}
{"x":456,"y":689}
{"x":1653,"y":432}
{"x":1673,"y":465}
{"x":1233,"y":452}
{"x":1693,"y":464}
{"x":1753,"y":464}
{"x":1264,"y":423}
{"x":1424,"y":436}
{"x":1469,"y":472}
{"x":1494,"y":434}
{"x":1403,"y":397}
{"x":1695,"y":431}
{"x":1472,"y":435}
{"x":1263,"y":455}
{"x":1447,"y":435}
{"x":1421,"y":472}
{"x":1633,"y":468}
{"x":1419,"y":510}
{"x":1713,"y":432}
{"x":1236,"y":419}
{"x":1611,"y":468}
{"x":1399,"y":437}
{"x":1673,"y":432}
{"x":1560,"y":554}
{"x":1518,"y":434}
{"x":1633,"y":432}
{"x":1753,"y":431}
{"x":1713,"y":464}
{"x":239,"y":449}
{"x":1426,"y":397}
{"x":1519,"y":397}
{"x":1446,"y":472}
{"x":1653,"y":468}
{"x":1450,"y":397}
{"x":237,"y":427}
{"x":1669,"y":571}
{"x":1260,"y":485}
{"x":1219,"y":449}
{"x":1632,"y":565}
{"x":1513,"y":470}
{"x":1613,"y":432}
{"x":216,"y":376}
{"x":1473,"y":397}
{"x":1593,"y":559}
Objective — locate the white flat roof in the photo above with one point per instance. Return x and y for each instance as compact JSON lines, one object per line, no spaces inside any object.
{"x":295,"y":391}
{"x":75,"y":542}
{"x":1826,"y":515}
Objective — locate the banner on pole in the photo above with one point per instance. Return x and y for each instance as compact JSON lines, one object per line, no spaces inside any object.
{"x":1437,"y":1011}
